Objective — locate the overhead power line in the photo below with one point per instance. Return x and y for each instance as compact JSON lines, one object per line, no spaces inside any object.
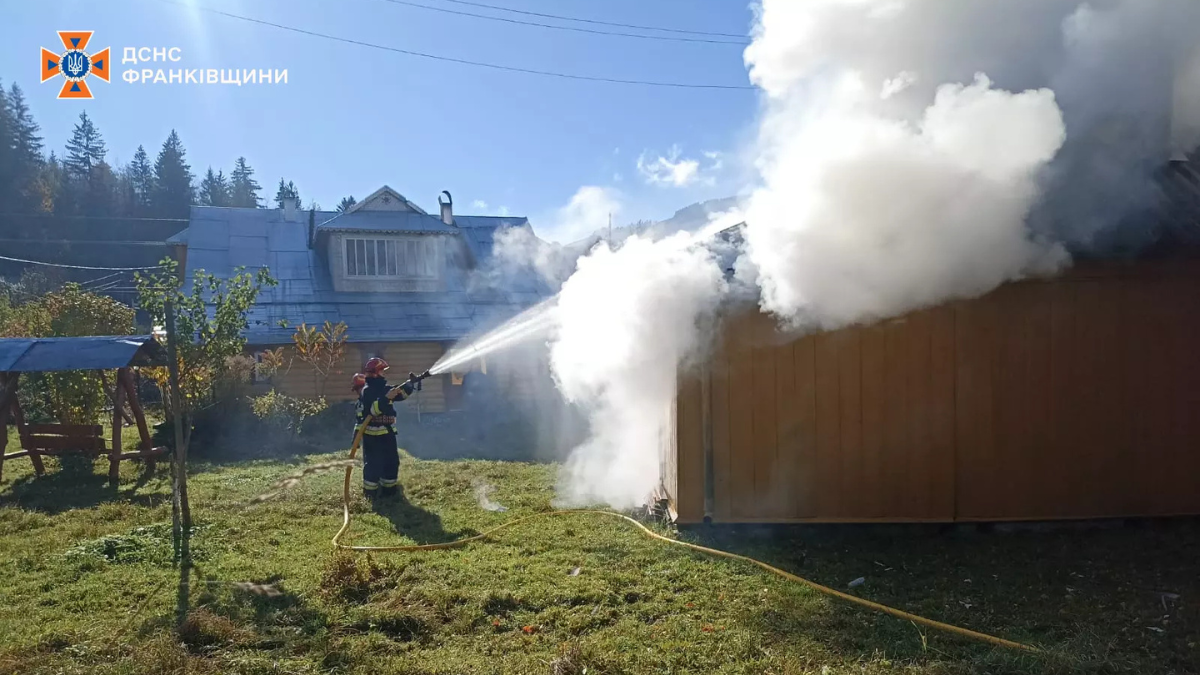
{"x":594,"y":21}
{"x":480,"y":64}
{"x":55,"y":216}
{"x":79,"y":267}
{"x":739,"y":43}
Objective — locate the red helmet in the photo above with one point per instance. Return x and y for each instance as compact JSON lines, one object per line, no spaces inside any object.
{"x":375,"y":367}
{"x":358,"y":382}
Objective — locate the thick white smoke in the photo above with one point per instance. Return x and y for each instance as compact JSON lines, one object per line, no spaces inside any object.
{"x":862,"y":216}
{"x":627,"y":318}
{"x":908,"y":153}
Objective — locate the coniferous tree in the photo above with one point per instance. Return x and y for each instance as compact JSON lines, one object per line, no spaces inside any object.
{"x":243,"y":189}
{"x":82,"y":184}
{"x":84,"y":151}
{"x":8,"y":135}
{"x":173,"y":191}
{"x":141,"y":181}
{"x":214,"y":189}
{"x":52,"y":186}
{"x":124,"y":196}
{"x":102,"y":196}
{"x":346,"y":203}
{"x":286,"y":191}
{"x":27,"y":153}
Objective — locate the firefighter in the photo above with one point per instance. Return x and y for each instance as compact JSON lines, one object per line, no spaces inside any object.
{"x":356,"y":386}
{"x":381,"y":456}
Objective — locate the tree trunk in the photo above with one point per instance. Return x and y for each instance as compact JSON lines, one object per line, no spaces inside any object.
{"x":181,"y":515}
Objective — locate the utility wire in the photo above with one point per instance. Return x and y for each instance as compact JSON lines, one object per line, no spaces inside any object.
{"x":409,"y":3}
{"x":99,"y":279}
{"x":56,"y":216}
{"x":594,"y":21}
{"x":435,"y":57}
{"x":79,"y":267}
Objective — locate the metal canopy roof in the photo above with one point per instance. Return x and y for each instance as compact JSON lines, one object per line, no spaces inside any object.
{"x":52,"y":354}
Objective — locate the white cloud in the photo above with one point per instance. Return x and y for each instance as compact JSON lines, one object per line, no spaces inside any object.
{"x":894,"y":85}
{"x":586,"y":213}
{"x":486,"y":210}
{"x":675,"y":170}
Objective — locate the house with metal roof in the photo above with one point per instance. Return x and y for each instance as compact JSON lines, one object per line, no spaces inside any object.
{"x":407,"y":284}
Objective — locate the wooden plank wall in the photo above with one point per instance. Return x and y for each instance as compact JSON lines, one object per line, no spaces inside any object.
{"x":523,"y":381}
{"x":1065,"y":399}
{"x":403,"y":357}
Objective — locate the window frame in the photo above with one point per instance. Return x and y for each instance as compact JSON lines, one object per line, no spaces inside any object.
{"x":411,"y":258}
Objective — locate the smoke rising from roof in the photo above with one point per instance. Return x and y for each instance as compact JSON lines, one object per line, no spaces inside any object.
{"x":908,"y":153}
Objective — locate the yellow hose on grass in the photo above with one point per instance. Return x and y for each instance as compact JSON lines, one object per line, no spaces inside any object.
{"x":938,"y":625}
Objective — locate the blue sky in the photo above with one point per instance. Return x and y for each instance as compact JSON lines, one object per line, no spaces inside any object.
{"x":352,"y":118}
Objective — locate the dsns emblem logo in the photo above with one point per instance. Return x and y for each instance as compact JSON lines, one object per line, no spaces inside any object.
{"x":75,"y":64}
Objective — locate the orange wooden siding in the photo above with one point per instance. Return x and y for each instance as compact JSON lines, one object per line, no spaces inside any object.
{"x":403,"y":357}
{"x":1071,"y":398}
{"x":523,"y":382}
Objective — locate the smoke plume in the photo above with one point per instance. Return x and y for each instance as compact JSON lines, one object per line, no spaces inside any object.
{"x":626,"y":318}
{"x":907,"y":153}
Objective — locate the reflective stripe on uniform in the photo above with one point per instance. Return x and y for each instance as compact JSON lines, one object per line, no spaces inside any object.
{"x":376,"y":431}
{"x":367,"y":485}
{"x":388,"y":483}
{"x":375,"y":407}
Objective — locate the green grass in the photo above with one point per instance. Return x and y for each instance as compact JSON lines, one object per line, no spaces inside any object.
{"x":89,"y":586}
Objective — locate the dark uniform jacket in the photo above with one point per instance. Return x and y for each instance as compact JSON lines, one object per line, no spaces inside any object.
{"x":376,"y":401}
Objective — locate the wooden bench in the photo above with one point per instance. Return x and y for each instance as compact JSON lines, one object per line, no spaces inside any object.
{"x":39,"y":440}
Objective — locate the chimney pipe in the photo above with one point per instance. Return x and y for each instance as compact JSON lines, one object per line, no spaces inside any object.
{"x":288,"y":212}
{"x":447,"y":208}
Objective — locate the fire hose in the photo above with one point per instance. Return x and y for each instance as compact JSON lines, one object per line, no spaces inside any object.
{"x":900,"y":614}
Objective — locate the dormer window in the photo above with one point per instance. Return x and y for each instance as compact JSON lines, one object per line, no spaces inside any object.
{"x":391,"y":257}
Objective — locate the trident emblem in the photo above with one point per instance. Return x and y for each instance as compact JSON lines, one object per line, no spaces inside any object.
{"x":75,"y":65}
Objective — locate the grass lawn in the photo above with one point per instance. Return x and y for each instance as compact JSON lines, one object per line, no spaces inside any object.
{"x":89,"y":586}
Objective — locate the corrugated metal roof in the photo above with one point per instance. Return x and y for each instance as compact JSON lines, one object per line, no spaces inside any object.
{"x":223,"y":238}
{"x":387,"y":221}
{"x":44,"y":355}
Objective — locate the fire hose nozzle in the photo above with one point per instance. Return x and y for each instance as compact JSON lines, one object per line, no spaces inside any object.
{"x":416,"y":379}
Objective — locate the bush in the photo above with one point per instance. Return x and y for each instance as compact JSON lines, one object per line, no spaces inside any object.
{"x":285,"y":412}
{"x":74,"y":396}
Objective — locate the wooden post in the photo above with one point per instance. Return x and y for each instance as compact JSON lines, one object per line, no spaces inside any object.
{"x":181,"y":509}
{"x":125,"y":379}
{"x":112,"y":395}
{"x":35,"y":455}
{"x":114,"y":453}
{"x":6,"y":392}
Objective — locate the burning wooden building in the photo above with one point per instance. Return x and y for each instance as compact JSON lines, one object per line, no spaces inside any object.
{"x":1067,"y":398}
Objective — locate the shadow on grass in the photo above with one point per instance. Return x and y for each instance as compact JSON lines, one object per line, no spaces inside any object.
{"x":414,"y":522}
{"x":77,"y":484}
{"x":1099,"y":597}
{"x":213,"y":613}
{"x":461,"y":435}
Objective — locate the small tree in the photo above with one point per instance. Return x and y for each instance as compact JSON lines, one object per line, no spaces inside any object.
{"x":209,"y":318}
